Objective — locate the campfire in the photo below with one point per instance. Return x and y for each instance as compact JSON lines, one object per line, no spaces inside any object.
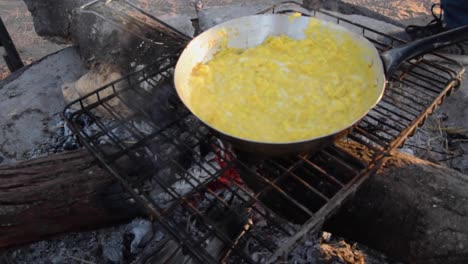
{"x":213,"y":203}
{"x":218,"y":203}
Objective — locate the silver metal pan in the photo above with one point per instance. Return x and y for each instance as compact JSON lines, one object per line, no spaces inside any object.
{"x":250,"y":31}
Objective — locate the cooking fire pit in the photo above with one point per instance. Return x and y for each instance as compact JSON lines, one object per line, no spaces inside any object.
{"x":195,"y":185}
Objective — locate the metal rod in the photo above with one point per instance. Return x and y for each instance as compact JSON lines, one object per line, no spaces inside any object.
{"x":304,"y":183}
{"x":12,"y":58}
{"x":322,"y":172}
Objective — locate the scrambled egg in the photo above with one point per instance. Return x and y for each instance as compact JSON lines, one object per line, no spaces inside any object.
{"x":285,"y":89}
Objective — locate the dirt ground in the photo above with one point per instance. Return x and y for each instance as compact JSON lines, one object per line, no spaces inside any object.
{"x":19,"y":24}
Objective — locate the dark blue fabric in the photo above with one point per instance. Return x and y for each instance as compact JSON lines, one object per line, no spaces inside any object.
{"x":455,"y":12}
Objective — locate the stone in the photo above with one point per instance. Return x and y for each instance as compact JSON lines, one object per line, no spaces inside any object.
{"x":29,"y":119}
{"x":180,"y":22}
{"x":52,"y":18}
{"x":98,"y":76}
{"x":313,"y":4}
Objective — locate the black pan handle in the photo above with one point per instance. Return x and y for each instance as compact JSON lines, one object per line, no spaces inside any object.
{"x":394,"y":57}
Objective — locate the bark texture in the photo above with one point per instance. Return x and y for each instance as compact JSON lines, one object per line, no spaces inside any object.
{"x":413,"y":210}
{"x":57,"y":194}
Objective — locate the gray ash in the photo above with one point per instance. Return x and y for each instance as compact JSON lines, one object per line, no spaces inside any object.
{"x":60,"y":139}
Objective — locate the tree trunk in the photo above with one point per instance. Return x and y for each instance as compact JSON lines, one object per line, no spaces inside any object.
{"x":56,"y":194}
{"x":414,"y":211}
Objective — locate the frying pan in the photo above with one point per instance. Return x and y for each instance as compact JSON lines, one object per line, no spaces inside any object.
{"x":251,"y":31}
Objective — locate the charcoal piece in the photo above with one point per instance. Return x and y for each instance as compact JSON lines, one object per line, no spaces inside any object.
{"x":161,"y":107}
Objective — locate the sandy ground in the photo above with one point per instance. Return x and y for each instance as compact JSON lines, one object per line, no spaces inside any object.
{"x":30,"y":46}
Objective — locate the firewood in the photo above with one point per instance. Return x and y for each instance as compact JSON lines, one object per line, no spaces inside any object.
{"x":60,"y":193}
{"x":413,"y":211}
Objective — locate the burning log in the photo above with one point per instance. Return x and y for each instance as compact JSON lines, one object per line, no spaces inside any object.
{"x":414,"y":211}
{"x":57,"y":194}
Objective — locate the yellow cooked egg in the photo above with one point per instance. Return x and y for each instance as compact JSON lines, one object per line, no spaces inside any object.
{"x":285,"y":89}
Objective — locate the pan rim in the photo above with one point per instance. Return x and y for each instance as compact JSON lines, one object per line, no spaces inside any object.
{"x":224,"y":25}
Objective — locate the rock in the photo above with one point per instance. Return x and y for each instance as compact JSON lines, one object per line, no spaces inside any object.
{"x":180,"y":22}
{"x":52,"y":18}
{"x":29,"y":119}
{"x":98,"y":76}
{"x":313,"y":4}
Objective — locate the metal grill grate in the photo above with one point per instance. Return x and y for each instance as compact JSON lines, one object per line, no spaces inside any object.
{"x":217,"y":205}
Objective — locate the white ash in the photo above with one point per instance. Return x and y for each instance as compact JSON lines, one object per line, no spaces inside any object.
{"x":142,"y":231}
{"x":159,"y":235}
{"x":112,"y":246}
{"x":271,"y":234}
{"x":85,"y":246}
{"x":107,"y":245}
{"x":60,"y":139}
{"x":90,"y":128}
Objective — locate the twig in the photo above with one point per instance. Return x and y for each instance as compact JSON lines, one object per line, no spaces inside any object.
{"x":450,"y":130}
{"x":460,"y":140}
{"x":439,"y":128}
{"x":439,"y":152}
{"x":451,"y":158}
{"x":80,"y":260}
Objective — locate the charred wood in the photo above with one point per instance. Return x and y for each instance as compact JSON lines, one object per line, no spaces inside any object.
{"x":413,"y":210}
{"x":60,"y":193}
